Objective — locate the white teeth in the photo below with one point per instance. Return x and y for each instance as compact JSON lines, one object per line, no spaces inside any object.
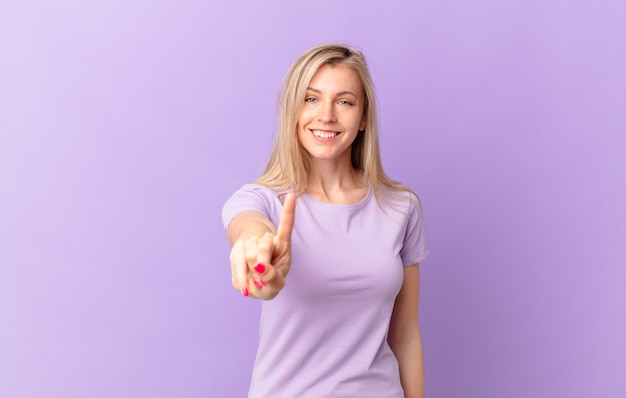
{"x":324,"y":134}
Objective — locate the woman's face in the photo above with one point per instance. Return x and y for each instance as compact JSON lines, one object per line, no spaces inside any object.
{"x":332,"y":113}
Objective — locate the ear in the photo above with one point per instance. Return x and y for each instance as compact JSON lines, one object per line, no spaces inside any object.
{"x":362,"y":125}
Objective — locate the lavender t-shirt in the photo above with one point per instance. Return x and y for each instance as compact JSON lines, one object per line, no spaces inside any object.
{"x":325,"y":334}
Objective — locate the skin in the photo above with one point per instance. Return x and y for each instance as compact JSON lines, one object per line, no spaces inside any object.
{"x":331,"y":117}
{"x":405,"y":338}
{"x":255,"y":240}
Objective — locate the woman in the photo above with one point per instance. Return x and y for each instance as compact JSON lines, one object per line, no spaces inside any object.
{"x":340,"y":285}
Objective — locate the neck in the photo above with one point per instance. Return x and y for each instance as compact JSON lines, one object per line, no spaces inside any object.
{"x":336,"y":182}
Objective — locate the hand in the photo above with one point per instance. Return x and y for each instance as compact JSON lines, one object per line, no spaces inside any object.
{"x":259,"y":265}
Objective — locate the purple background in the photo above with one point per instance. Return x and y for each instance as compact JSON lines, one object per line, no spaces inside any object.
{"x":125,"y":125}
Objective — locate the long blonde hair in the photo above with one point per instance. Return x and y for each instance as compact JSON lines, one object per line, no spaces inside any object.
{"x":289,"y":163}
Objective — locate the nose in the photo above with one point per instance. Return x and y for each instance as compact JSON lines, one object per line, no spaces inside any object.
{"x":327,"y":113}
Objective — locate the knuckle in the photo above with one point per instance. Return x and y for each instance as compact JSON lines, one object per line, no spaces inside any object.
{"x":251,"y":257}
{"x":265,"y":245}
{"x":251,"y":242}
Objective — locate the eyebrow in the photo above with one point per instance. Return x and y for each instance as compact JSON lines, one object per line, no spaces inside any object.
{"x":338,"y":94}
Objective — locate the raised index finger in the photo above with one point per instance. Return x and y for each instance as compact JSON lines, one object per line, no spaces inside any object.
{"x":286,"y":220}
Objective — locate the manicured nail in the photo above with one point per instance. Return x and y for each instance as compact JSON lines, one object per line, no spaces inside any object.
{"x":260,"y":268}
{"x":245,"y":292}
{"x":259,"y":283}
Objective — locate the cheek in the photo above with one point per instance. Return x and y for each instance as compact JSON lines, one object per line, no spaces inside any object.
{"x":305,"y":117}
{"x":357,"y":121}
{"x":300,"y":132}
{"x":362,"y":125}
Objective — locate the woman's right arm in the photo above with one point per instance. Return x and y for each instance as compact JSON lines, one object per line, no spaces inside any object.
{"x":261,"y":254}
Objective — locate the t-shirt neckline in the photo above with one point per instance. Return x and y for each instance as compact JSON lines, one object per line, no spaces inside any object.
{"x":360,"y":203}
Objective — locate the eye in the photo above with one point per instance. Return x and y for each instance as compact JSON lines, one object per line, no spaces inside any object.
{"x":310,"y":99}
{"x":344,"y":102}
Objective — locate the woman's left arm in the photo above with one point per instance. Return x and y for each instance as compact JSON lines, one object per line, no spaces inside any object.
{"x":405,"y":338}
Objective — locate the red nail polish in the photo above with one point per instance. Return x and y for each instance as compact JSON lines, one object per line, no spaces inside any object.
{"x":260,"y":268}
{"x":245,"y":292}
{"x":259,"y":283}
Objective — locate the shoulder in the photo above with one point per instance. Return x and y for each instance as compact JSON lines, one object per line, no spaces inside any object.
{"x":258,"y":190}
{"x":252,"y":197}
{"x":257,"y":193}
{"x":407,"y":205}
{"x":402,"y":200}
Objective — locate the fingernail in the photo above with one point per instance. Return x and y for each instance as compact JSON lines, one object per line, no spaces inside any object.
{"x":259,"y":283}
{"x":245,"y":292}
{"x":260,"y":268}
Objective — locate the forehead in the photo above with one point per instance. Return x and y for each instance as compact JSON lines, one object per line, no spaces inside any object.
{"x":336,"y":78}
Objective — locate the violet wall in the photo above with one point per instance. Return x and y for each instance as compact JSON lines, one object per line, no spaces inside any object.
{"x":124,"y":125}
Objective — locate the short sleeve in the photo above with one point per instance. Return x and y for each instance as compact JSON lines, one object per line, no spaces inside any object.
{"x":250,"y":197}
{"x":415,"y":245}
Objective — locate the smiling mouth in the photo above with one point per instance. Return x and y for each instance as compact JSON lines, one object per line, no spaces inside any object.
{"x":324,"y":134}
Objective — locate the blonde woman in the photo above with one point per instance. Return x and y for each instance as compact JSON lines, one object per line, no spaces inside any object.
{"x":330,"y":244}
